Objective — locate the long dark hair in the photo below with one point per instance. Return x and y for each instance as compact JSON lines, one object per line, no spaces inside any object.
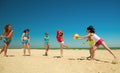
{"x":26,"y":30}
{"x":59,"y":33}
{"x":6,"y":28}
{"x":91,"y":28}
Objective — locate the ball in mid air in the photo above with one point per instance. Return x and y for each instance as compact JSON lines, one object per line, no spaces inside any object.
{"x":75,"y":36}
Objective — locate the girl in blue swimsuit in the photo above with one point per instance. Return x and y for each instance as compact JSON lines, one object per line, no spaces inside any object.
{"x":26,"y":41}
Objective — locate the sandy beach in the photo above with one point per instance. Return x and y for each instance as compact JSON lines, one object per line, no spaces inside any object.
{"x":36,"y":63}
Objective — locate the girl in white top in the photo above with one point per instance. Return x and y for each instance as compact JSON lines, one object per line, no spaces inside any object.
{"x":97,"y":40}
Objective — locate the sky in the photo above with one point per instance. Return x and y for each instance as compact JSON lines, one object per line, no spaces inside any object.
{"x":70,"y":16}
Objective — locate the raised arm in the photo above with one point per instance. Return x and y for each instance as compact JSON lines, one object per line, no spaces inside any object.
{"x":10,"y":34}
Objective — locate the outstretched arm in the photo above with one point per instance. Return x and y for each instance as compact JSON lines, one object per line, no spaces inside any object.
{"x":83,"y":37}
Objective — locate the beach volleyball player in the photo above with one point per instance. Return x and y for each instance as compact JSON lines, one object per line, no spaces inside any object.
{"x":97,"y":40}
{"x":59,"y":37}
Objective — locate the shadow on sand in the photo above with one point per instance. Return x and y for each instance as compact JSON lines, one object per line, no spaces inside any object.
{"x":56,"y":56}
{"x":85,"y":58}
{"x":10,"y":55}
{"x":102,"y":61}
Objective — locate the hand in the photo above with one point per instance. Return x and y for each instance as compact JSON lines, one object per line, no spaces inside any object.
{"x":3,"y":36}
{"x":12,"y":31}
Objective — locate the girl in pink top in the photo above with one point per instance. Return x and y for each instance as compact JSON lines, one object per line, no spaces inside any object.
{"x":98,"y":41}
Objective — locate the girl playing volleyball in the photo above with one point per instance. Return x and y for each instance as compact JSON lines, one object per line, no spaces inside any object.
{"x":7,"y":37}
{"x":26,"y":41}
{"x":97,"y":40}
{"x":59,"y":37}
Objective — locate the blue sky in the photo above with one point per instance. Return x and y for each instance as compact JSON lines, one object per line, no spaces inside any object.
{"x":71,"y":16}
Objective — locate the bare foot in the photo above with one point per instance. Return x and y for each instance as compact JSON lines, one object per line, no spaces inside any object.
{"x":5,"y":55}
{"x":88,"y":58}
{"x":28,"y":55}
{"x":61,"y":56}
{"x":92,"y":59}
{"x":24,"y":55}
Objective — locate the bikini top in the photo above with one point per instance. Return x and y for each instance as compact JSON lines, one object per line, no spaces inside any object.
{"x":25,"y":36}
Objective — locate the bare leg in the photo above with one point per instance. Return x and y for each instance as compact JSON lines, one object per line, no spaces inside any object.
{"x":65,"y":45}
{"x":47,"y":48}
{"x":61,"y":49}
{"x":24,"y":49}
{"x":2,"y":49}
{"x":107,"y":48}
{"x":92,"y":51}
{"x":5,"y":49}
{"x":28,"y":46}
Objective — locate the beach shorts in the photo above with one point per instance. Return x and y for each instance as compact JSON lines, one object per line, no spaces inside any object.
{"x":46,"y":43}
{"x":25,"y":41}
{"x":99,"y":42}
{"x":7,"y":40}
{"x":61,"y":42}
